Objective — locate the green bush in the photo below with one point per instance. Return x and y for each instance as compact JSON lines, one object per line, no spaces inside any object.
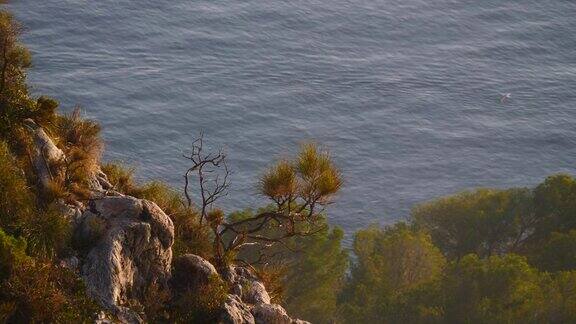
{"x":36,"y":291}
{"x":17,"y":202}
{"x":556,"y":254}
{"x":483,"y":221}
{"x":392,"y":263}
{"x":43,"y":293}
{"x":121,"y":177}
{"x":46,"y":230}
{"x":50,"y":234}
{"x":12,"y":253}
{"x":314,"y":275}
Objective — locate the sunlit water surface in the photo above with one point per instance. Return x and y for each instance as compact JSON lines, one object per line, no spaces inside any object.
{"x":405,"y":94}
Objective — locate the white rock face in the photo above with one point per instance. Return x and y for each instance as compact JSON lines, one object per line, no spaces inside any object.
{"x":236,"y":312}
{"x":270,"y":314}
{"x":44,"y":154}
{"x":246,"y":285}
{"x":248,"y":301}
{"x":257,"y":294}
{"x":131,"y":248}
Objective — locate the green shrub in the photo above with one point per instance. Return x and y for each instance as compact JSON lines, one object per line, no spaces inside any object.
{"x":12,"y":253}
{"x":392,"y":263}
{"x":483,"y":221}
{"x":16,"y":199}
{"x":46,"y":230}
{"x":44,"y":293}
{"x":50,"y":233}
{"x":15,"y":103}
{"x":557,"y":253}
{"x":36,"y":291}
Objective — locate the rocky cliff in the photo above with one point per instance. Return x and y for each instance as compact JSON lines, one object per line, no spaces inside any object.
{"x":127,"y":249}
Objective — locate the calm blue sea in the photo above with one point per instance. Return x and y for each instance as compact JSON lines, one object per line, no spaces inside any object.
{"x":405,"y":93}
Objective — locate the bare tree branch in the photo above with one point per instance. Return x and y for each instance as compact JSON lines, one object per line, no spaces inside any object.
{"x":296,"y":213}
{"x":211,"y":189}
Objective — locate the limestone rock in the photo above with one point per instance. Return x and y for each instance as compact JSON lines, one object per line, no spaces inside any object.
{"x":248,"y":290}
{"x":256,"y":294}
{"x":236,"y":312}
{"x":191,"y":272}
{"x":102,"y":180}
{"x":270,"y":314}
{"x":246,"y":284}
{"x":129,"y":248}
{"x":45,"y":153}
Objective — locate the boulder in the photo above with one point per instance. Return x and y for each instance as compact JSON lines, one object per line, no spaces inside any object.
{"x":235,"y":311}
{"x":128,"y":249}
{"x":270,"y":314}
{"x":191,"y":272}
{"x":248,"y":290}
{"x":256,"y":294}
{"x":99,"y":184}
{"x":246,"y":285}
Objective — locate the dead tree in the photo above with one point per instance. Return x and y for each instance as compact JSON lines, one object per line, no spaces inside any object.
{"x":300,"y":189}
{"x":213,"y":176}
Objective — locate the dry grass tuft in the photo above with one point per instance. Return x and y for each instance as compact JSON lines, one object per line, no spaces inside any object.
{"x":83,"y":148}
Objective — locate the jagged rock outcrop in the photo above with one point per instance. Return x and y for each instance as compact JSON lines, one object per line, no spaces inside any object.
{"x":126,"y":242}
{"x":247,"y":286}
{"x":45,"y":153}
{"x":132,"y":248}
{"x":125,"y":247}
{"x":248,"y":301}
{"x":236,"y":311}
{"x":270,"y":313}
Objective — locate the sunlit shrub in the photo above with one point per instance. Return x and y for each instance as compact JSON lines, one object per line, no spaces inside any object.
{"x":155,"y":303}
{"x":35,"y":291}
{"x":46,"y":230}
{"x":42,"y":292}
{"x":121,"y":177}
{"x":49,"y":234}
{"x":83,"y":148}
